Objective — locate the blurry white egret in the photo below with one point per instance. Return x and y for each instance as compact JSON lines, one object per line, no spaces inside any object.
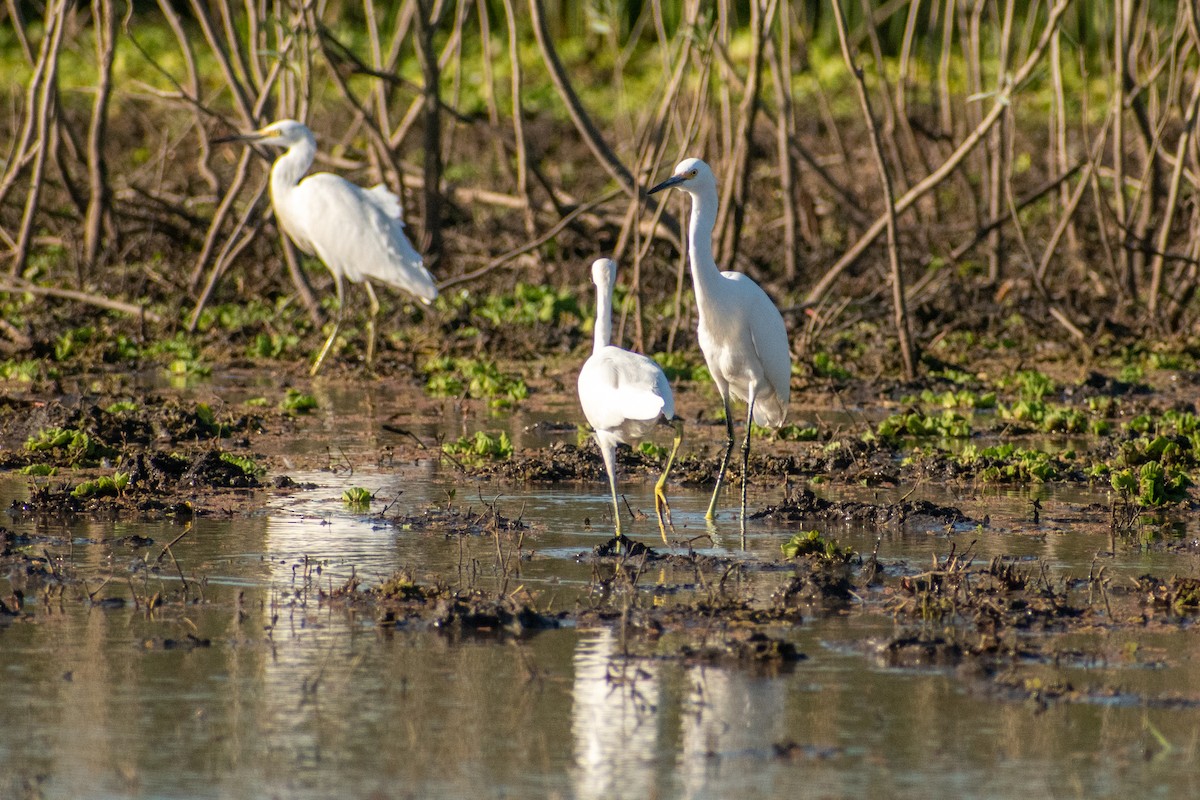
{"x":741,"y":333}
{"x":358,"y":233}
{"x":624,"y":395}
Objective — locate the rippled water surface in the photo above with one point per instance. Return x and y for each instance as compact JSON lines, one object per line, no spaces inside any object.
{"x":259,"y":688}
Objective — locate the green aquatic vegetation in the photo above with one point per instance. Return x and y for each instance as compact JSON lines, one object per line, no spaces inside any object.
{"x":799,"y":433}
{"x":39,"y":470}
{"x":812,"y":543}
{"x":953,"y":375}
{"x":207,"y":419}
{"x":246,"y":313}
{"x":26,"y":371}
{"x":530,"y":305}
{"x":70,"y":343}
{"x":949,"y":424}
{"x":653,"y":451}
{"x":1030,"y":384}
{"x":272,"y":345}
{"x":75,"y":446}
{"x":1152,"y":484}
{"x":962,"y":398}
{"x":182,"y":355}
{"x":246,"y":464}
{"x":1007,"y":463}
{"x":480,"y":447}
{"x":357,"y":497}
{"x":825,"y":365}
{"x":297,"y":402}
{"x":678,"y":366}
{"x":104,"y":486}
{"x":475,"y":378}
{"x":122,"y":407}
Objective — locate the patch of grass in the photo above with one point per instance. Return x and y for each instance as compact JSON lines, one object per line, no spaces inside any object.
{"x":813,"y":544}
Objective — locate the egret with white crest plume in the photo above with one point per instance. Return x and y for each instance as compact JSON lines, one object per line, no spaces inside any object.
{"x":357,"y":233}
{"x":624,"y":396}
{"x":741,"y":333}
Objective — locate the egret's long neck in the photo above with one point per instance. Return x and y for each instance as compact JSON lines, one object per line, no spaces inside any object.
{"x":290,"y":167}
{"x":700,"y":230}
{"x":603,"y":328}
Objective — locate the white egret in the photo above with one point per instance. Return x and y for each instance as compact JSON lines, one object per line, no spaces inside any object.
{"x":357,"y":233}
{"x":741,"y":333}
{"x":624,"y":395}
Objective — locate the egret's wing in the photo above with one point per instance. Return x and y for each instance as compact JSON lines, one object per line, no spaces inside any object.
{"x":617,"y":386}
{"x":770,"y":338}
{"x":354,"y":231}
{"x":386,"y":200}
{"x":757,"y":329}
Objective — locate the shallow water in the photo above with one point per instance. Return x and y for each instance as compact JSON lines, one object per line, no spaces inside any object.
{"x":294,"y":698}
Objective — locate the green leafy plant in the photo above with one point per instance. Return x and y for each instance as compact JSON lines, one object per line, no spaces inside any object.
{"x":529,"y":305}
{"x":247,"y":465}
{"x":482,"y":446}
{"x":103,"y":486}
{"x":41,"y":470}
{"x":1152,"y":484}
{"x":798,"y":433}
{"x":75,"y":446}
{"x":476,"y":378}
{"x":357,"y":497}
{"x":812,"y":543}
{"x":949,"y":424}
{"x":825,"y":366}
{"x":678,"y":366}
{"x":297,"y":402}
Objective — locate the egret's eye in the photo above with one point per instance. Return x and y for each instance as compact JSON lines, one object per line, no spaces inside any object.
{"x":692,"y":173}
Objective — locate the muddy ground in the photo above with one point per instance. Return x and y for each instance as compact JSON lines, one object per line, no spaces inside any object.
{"x":95,"y":444}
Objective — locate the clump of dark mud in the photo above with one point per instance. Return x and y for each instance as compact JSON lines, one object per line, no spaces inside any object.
{"x":402,"y":602}
{"x":808,"y":506}
{"x":742,"y":646}
{"x":453,"y":521}
{"x":622,"y":547}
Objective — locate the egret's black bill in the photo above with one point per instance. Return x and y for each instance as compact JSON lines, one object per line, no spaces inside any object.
{"x":239,"y":137}
{"x":674,"y":180}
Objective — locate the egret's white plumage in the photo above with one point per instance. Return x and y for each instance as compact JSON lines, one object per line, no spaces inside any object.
{"x":624,"y":395}
{"x":741,"y":333}
{"x":357,"y":233}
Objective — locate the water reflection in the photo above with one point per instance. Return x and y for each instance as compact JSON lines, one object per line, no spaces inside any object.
{"x":615,"y":720}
